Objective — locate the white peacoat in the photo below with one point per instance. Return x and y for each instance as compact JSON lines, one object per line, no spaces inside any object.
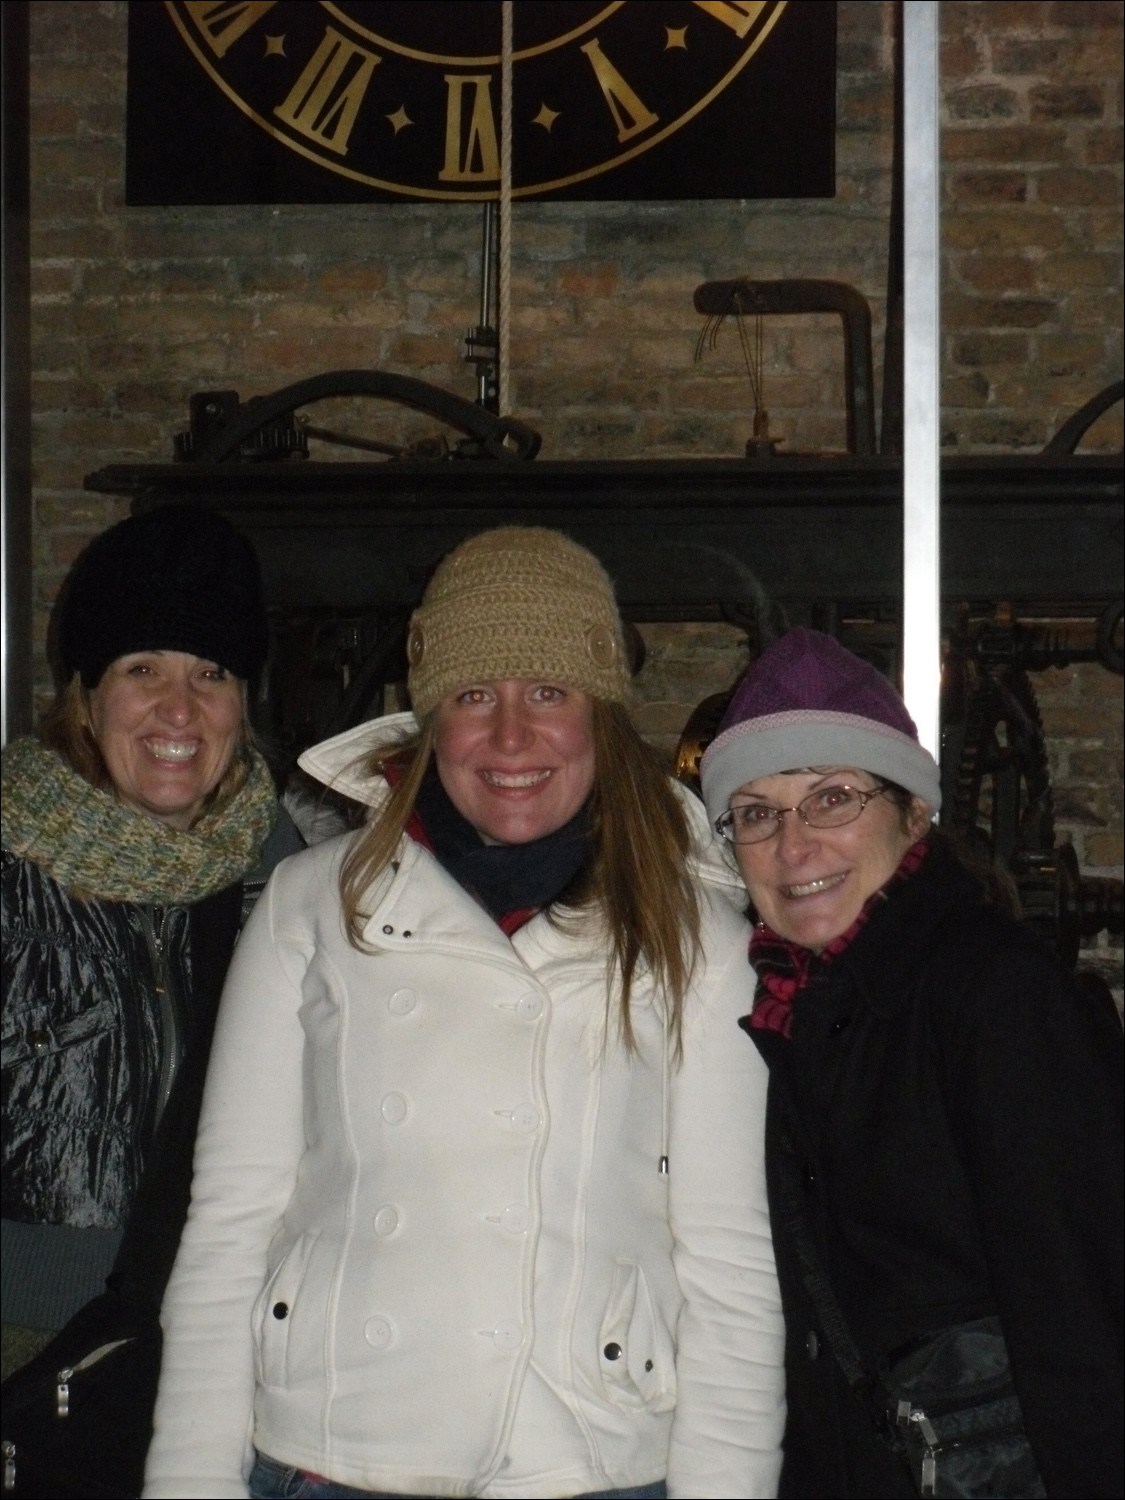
{"x":431,"y":1249}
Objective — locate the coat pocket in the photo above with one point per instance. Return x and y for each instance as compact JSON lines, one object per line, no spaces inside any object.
{"x":636,"y":1350}
{"x":276,"y":1308}
{"x":44,"y":1029}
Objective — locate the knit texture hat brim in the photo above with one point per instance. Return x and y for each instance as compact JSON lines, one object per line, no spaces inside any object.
{"x":517,"y":602}
{"x":176,"y":578}
{"x":814,"y":737}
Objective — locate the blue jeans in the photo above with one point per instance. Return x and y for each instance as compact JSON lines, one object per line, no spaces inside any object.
{"x":270,"y":1480}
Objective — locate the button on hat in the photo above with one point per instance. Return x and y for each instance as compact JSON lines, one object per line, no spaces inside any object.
{"x":519,"y":601}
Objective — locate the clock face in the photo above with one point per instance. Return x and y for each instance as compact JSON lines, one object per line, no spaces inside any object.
{"x":403,"y":99}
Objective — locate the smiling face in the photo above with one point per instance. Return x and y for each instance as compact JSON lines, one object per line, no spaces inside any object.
{"x":167,"y":725}
{"x":810,"y":884}
{"x":516,"y":757}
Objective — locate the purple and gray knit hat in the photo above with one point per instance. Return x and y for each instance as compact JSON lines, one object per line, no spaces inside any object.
{"x":808,"y":701}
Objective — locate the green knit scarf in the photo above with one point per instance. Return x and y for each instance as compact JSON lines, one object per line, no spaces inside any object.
{"x":99,"y":849}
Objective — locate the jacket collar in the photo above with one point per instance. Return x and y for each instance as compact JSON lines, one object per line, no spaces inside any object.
{"x":419,"y":906}
{"x":341,"y":763}
{"x":889,"y":950}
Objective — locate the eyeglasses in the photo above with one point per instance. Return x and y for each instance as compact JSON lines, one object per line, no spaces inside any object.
{"x":828,"y":807}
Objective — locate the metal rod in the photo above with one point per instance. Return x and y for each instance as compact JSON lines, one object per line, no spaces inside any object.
{"x":488,"y":266}
{"x":921,"y":469}
{"x":15,"y":388}
{"x":504,"y":310}
{"x":890,"y":431}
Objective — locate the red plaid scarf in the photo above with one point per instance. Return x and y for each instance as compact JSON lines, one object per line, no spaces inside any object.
{"x":784,"y":968}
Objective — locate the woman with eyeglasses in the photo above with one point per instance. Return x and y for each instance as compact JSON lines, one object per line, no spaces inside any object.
{"x":943,"y":1122}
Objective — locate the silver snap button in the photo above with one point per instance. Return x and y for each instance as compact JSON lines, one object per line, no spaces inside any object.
{"x":386,"y":1220}
{"x":377,"y":1332}
{"x":525,"y":1118}
{"x":516,"y":1218}
{"x":613,"y":1351}
{"x":393,"y":1109}
{"x":402,"y":1002}
{"x":507,"y":1336}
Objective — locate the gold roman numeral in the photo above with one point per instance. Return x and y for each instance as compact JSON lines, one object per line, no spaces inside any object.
{"x":222,"y":22}
{"x":321,"y":105}
{"x":739,"y":15}
{"x":630,"y":114}
{"x":477,"y":158}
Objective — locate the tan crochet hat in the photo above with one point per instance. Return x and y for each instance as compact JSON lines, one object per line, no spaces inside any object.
{"x":520,"y":601}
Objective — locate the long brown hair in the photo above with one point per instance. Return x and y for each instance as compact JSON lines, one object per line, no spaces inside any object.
{"x":635,"y":877}
{"x":65,"y":729}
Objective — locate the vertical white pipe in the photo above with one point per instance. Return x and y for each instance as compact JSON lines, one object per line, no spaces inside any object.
{"x":504,"y":318}
{"x":921,"y":435}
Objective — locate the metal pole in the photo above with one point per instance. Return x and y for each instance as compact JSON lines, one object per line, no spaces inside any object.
{"x":15,"y":383}
{"x":921,"y":471}
{"x":488,"y":266}
{"x":480,"y":342}
{"x":890,"y":431}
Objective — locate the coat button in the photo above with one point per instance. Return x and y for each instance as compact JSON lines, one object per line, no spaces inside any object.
{"x":393,"y":1109}
{"x":377,"y":1332}
{"x":388,"y":929}
{"x":808,"y":1176}
{"x":516,"y":1219}
{"x":613,"y":1351}
{"x":386,"y":1220}
{"x":507,"y":1336}
{"x":530,"y":1008}
{"x":525,"y":1118}
{"x":39,"y":1040}
{"x":280,"y":1310}
{"x":812,"y":1345}
{"x":402,"y":1002}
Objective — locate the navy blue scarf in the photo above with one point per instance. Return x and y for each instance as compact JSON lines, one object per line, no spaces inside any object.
{"x":511,"y":881}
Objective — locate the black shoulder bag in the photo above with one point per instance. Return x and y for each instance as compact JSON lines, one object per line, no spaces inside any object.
{"x":947,"y":1405}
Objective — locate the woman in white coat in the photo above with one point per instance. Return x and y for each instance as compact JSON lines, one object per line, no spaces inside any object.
{"x":479,"y":1204}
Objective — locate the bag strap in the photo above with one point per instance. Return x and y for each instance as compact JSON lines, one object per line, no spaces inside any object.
{"x":823,"y":1298}
{"x":869,"y":1388}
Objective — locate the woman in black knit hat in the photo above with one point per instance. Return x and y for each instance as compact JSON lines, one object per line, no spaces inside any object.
{"x":130,"y":822}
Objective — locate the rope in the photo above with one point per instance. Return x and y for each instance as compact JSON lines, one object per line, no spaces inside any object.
{"x":505,"y":309}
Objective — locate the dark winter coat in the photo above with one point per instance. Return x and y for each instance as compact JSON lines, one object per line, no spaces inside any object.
{"x":950,"y":1109}
{"x":103,"y":1001}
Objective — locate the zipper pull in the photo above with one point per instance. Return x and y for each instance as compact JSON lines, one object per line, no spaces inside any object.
{"x":932,"y":1442}
{"x":62,"y":1393}
{"x":929,"y":1473}
{"x":9,"y":1451}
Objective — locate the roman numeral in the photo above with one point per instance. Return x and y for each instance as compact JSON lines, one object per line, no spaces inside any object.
{"x":321,"y":105}
{"x":630,"y":114}
{"x":477,"y":157}
{"x":222,"y":22}
{"x":739,"y":15}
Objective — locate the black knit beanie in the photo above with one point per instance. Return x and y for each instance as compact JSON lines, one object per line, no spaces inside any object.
{"x":177,"y":578}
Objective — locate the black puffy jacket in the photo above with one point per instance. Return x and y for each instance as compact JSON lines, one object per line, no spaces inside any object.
{"x":107,"y":1015}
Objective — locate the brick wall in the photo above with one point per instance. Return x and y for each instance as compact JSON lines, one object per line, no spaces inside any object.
{"x":135,"y":308}
{"x":1032,"y":219}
